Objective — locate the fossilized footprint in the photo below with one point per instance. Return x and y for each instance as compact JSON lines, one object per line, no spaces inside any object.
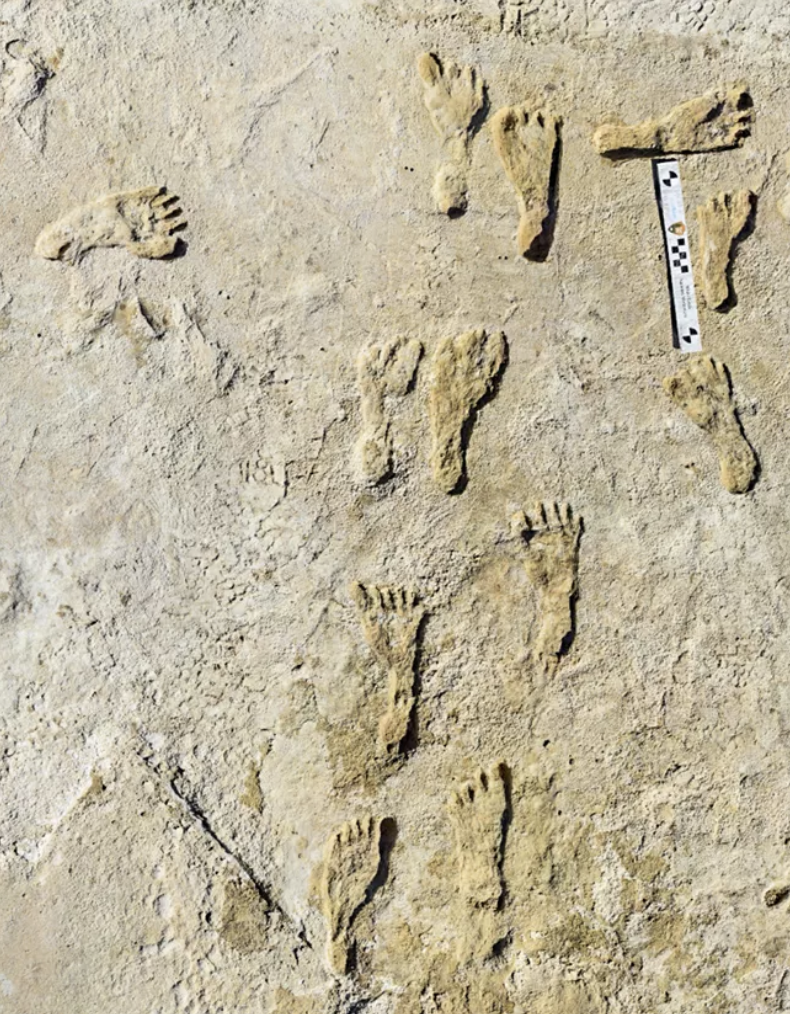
{"x":351,"y":861}
{"x":552,"y":536}
{"x":465,"y":370}
{"x":721,"y":219}
{"x":245,"y":916}
{"x":477,"y":813}
{"x":453,"y":95}
{"x":702,"y":389}
{"x":22,"y":83}
{"x":383,"y":371}
{"x":526,"y":142}
{"x":718,"y":119}
{"x":391,"y":619}
{"x":146,"y":222}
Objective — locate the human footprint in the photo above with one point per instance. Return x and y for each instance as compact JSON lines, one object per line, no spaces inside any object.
{"x":552,"y":535}
{"x":465,"y":370}
{"x":391,"y":619}
{"x":477,"y":813}
{"x":718,"y":119}
{"x":453,"y":95}
{"x":722,"y":219}
{"x":526,"y":142}
{"x":384,"y":371}
{"x":351,"y":861}
{"x":702,"y":389}
{"x":145,"y":221}
{"x":22,"y":85}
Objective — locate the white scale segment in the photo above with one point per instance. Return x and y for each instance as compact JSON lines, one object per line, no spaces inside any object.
{"x":685,"y":322}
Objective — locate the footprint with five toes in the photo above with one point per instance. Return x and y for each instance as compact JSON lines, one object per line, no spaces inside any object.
{"x":552,"y":534}
{"x":526,"y":142}
{"x":478,"y":810}
{"x":351,"y":861}
{"x":703,"y":390}
{"x":454,"y":95}
{"x":710,"y":122}
{"x":146,"y":222}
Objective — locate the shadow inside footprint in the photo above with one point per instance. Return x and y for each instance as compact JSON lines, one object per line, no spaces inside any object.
{"x":411,"y":740}
{"x":387,"y":837}
{"x":507,"y":820}
{"x":541,"y":245}
{"x":179,"y":250}
{"x":480,"y":117}
{"x":757,"y":464}
{"x":567,"y":640}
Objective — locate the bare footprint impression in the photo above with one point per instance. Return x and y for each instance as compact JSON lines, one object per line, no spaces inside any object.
{"x":723,"y":219}
{"x":702,"y":388}
{"x":391,"y":620}
{"x":465,"y":372}
{"x":352,"y":857}
{"x":552,"y":534}
{"x":478,"y":813}
{"x":22,"y":86}
{"x":385,"y":374}
{"x":527,"y":142}
{"x":147,"y":222}
{"x":454,"y":96}
{"x":719,"y":119}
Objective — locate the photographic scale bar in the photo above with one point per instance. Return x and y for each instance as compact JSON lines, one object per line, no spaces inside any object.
{"x":685,"y":322}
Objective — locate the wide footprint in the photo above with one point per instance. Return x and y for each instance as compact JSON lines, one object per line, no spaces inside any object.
{"x":146,"y":222}
{"x":526,"y":142}
{"x":453,"y":95}
{"x":718,"y":119}
{"x":351,"y":861}
{"x":384,"y":371}
{"x":702,"y":389}
{"x":721,"y":219}
{"x":465,"y":370}
{"x":477,"y":814}
{"x":391,"y":619}
{"x":552,"y":535}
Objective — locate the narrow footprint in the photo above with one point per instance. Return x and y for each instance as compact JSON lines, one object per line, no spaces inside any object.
{"x":384,"y":372}
{"x":703,"y":390}
{"x":454,"y":96}
{"x":552,"y":535}
{"x":465,"y":370}
{"x":391,"y":619}
{"x":718,"y":119}
{"x":527,"y":143}
{"x":351,"y":861}
{"x":146,"y":222}
{"x":477,"y":813}
{"x":722,"y":220}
